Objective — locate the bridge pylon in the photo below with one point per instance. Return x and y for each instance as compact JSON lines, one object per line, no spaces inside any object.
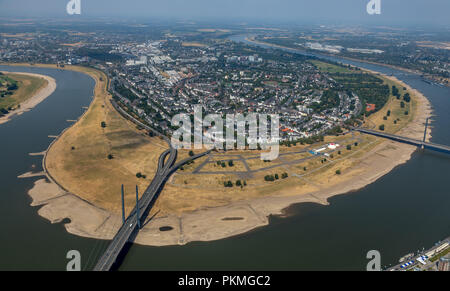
{"x":425,"y":132}
{"x":123,"y":206}
{"x":137,"y":208}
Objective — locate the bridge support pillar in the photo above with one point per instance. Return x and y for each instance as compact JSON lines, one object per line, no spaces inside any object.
{"x":137,"y":208}
{"x":123,"y":206}
{"x":425,"y":132}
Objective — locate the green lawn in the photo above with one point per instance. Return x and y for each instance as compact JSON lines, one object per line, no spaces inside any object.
{"x":440,"y":255}
{"x":27,"y":86}
{"x":331,"y":68}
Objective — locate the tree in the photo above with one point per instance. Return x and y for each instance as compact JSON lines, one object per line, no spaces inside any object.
{"x":110,"y":157}
{"x":349,"y":147}
{"x":238,"y":183}
{"x":388,"y":113}
{"x":191,"y":153}
{"x":395,"y":91}
{"x":402,"y":104}
{"x":12,"y":87}
{"x":228,"y":184}
{"x":406,"y":112}
{"x":338,"y":172}
{"x":381,"y":127}
{"x":276,"y":177}
{"x":407,"y":97}
{"x":103,"y":124}
{"x":230,"y":163}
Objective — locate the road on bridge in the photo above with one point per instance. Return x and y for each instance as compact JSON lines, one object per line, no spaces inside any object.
{"x":407,"y":140}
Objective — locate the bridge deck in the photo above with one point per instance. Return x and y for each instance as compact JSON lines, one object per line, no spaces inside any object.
{"x":407,"y":140}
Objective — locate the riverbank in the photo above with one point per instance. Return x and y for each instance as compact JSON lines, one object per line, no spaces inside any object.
{"x":37,"y":97}
{"x":427,"y":76}
{"x":213,"y":223}
{"x":81,"y":182}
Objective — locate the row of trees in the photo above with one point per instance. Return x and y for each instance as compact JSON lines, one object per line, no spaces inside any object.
{"x":396,"y":93}
{"x":239,"y":183}
{"x":125,"y":92}
{"x":302,"y":141}
{"x":271,"y":178}
{"x":140,"y":175}
{"x":223,"y":164}
{"x":369,"y":88}
{"x":7,"y":86}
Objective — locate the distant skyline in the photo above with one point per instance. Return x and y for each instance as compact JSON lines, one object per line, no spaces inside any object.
{"x":393,"y":12}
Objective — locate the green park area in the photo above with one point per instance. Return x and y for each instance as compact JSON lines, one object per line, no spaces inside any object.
{"x":17,"y":88}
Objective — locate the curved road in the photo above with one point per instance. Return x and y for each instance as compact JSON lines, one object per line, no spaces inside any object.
{"x":130,"y":227}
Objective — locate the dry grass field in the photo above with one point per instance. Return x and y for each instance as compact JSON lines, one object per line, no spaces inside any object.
{"x":397,"y":112}
{"x":79,"y":161}
{"x":187,"y":191}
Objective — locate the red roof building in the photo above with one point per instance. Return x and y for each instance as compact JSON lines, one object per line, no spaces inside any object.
{"x":370,"y":107}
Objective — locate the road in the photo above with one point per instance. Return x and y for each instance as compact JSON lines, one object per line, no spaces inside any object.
{"x":130,"y":227}
{"x":407,"y":140}
{"x":436,"y":250}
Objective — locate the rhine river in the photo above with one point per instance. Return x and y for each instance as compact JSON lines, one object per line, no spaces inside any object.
{"x":404,"y":211}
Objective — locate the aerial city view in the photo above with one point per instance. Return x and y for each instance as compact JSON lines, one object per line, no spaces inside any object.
{"x":211,"y":135}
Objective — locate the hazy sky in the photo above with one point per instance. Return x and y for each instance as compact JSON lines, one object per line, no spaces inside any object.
{"x":403,"y":12}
